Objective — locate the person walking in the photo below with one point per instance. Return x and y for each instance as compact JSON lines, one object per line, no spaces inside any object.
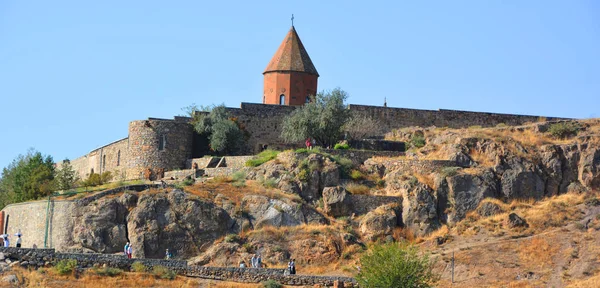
{"x":168,"y":254}
{"x":258,"y":262}
{"x":307,"y":142}
{"x":126,"y":249}
{"x":292,"y":266}
{"x":253,"y":261}
{"x":19,"y":241}
{"x":6,"y":242}
{"x":129,"y":251}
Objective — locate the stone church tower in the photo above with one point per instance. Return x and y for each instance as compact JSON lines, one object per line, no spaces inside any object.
{"x":291,"y":76}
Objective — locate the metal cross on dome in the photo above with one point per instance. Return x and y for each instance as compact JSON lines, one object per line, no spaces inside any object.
{"x":292,"y":19}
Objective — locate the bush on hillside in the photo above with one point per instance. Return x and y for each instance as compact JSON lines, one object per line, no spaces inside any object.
{"x":395,"y":265}
{"x":108,"y":271}
{"x":163,"y":272}
{"x":138,"y":267}
{"x":271,"y":284}
{"x":417,"y":141}
{"x":564,"y":130}
{"x":341,"y":146}
{"x":65,"y":266}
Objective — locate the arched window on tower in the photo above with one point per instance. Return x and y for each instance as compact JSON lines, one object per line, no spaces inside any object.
{"x":119,"y":158}
{"x":103,"y":162}
{"x":282,"y":99}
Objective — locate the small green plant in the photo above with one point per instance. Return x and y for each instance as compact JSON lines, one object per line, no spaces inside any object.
{"x":357,"y":189}
{"x":65,"y":266}
{"x":301,"y":150}
{"x":248,"y":247}
{"x":345,"y":165}
{"x":108,"y":271}
{"x":474,"y":127}
{"x":564,"y":130}
{"x":188,"y":181}
{"x":239,"y":179}
{"x":356,"y":175}
{"x":262,"y":157}
{"x":395,"y":265}
{"x":231,"y":238}
{"x":271,"y":284}
{"x":138,"y":267}
{"x":270,"y":183}
{"x":163,"y":272}
{"x":341,"y":146}
{"x":380,"y":183}
{"x":449,"y":171}
{"x":417,"y":141}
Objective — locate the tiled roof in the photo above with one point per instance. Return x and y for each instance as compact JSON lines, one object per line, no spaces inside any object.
{"x":291,"y":56}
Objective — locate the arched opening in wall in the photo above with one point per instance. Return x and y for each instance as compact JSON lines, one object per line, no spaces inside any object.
{"x":103,"y":162}
{"x":162,"y":142}
{"x":118,"y":157}
{"x":282,"y":99}
{"x":91,"y":171}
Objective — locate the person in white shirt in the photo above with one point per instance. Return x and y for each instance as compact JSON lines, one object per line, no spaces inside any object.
{"x":19,"y":241}
{"x":6,"y":242}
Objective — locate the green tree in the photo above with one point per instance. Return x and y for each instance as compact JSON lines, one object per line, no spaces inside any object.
{"x":28,"y":177}
{"x":321,"y":119}
{"x":65,"y":177}
{"x":395,"y":265}
{"x":223,"y":133}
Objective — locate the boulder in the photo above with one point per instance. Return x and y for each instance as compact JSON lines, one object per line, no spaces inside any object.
{"x":466,"y":191}
{"x":272,"y":212}
{"x":101,"y":226}
{"x":379,"y":222}
{"x":336,"y":202}
{"x":515,"y":220}
{"x":184,"y":224}
{"x":11,"y":279}
{"x":419,"y":210}
{"x":488,"y":208}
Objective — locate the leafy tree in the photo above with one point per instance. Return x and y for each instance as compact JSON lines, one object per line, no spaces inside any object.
{"x":395,"y":265}
{"x":361,"y":127}
{"x":66,"y":177}
{"x":223,"y":133}
{"x":28,"y":177}
{"x":321,"y":119}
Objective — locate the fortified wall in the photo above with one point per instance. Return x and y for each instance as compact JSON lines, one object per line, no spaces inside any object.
{"x":155,"y":146}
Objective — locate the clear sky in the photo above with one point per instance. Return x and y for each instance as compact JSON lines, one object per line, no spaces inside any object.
{"x":74,"y":73}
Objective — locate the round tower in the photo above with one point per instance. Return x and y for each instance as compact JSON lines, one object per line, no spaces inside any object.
{"x":290,"y":76}
{"x":156,"y":146}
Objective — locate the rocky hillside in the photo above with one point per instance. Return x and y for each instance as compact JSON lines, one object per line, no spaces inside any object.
{"x":323,"y":209}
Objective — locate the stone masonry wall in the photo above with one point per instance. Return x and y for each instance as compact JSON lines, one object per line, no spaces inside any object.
{"x":410,"y":165}
{"x":30,"y":219}
{"x":363,"y":204}
{"x":43,"y":257}
{"x":237,"y":161}
{"x":358,"y":157}
{"x":159,"y":145}
{"x":111,"y":157}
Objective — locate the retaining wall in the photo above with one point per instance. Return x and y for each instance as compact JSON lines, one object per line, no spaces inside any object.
{"x":358,"y":157}
{"x":44,"y":257}
{"x":411,"y":165}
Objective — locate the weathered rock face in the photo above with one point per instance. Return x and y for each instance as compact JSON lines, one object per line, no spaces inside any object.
{"x":487,"y":209}
{"x":152,"y":223}
{"x":515,"y":220}
{"x":419,"y":211}
{"x":272,"y":212}
{"x":175,"y":221}
{"x":466,"y":191}
{"x":380,"y":222}
{"x":335,"y":201}
{"x":300,"y":174}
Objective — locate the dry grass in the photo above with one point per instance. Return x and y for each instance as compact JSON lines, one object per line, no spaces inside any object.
{"x":537,"y":252}
{"x":357,"y":189}
{"x":426,"y":179}
{"x":210,"y":190}
{"x":481,"y":158}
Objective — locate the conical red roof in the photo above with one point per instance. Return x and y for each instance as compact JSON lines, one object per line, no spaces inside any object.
{"x":291,"y":56}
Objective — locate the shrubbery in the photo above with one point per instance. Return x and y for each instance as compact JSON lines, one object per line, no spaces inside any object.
{"x":341,"y":146}
{"x":271,"y":284}
{"x":108,"y":271}
{"x":417,"y":141}
{"x":139,"y":267}
{"x":395,"y":265}
{"x":232,"y":238}
{"x":262,"y":157}
{"x":163,"y":272}
{"x":564,"y":130}
{"x":65,"y":266}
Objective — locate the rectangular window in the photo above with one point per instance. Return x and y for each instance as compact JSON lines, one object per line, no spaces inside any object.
{"x":119,"y":158}
{"x":162,"y":142}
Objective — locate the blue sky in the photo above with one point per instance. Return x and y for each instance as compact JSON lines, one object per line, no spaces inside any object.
{"x":74,"y":73}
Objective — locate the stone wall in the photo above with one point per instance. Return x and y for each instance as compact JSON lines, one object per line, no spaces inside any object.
{"x":43,"y":257}
{"x":363,"y":204}
{"x":111,"y":157}
{"x":236,"y":161}
{"x":30,"y":219}
{"x":410,"y":165}
{"x":358,"y":157}
{"x":158,"y":145}
{"x":201,"y":162}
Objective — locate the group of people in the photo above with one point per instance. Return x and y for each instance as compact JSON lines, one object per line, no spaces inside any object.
{"x":256,"y":262}
{"x":128,"y":250}
{"x":7,"y":242}
{"x":310,"y":143}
